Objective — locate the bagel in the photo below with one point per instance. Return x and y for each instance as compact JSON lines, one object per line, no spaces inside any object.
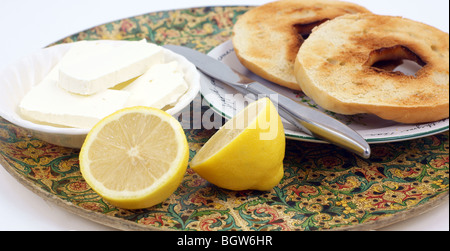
{"x":336,"y":67}
{"x":267,"y":38}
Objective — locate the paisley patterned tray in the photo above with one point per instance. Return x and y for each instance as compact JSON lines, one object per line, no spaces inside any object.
{"x":324,"y":188}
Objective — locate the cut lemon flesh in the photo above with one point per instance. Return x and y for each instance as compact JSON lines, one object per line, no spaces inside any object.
{"x":247,"y":152}
{"x":135,"y":158}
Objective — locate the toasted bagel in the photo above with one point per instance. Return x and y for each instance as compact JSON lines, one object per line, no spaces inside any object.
{"x":267,"y":38}
{"x":336,"y":67}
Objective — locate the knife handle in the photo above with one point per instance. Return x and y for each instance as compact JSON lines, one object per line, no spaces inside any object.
{"x":315,"y":122}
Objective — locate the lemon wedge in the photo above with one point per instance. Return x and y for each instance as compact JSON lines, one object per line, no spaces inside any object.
{"x":135,"y":158}
{"x":247,"y":152}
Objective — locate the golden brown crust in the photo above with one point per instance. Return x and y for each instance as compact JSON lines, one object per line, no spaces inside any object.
{"x":267,"y":38}
{"x":335,"y":67}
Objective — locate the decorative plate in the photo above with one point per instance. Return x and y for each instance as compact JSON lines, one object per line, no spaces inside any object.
{"x":323,"y":188}
{"x":226,"y":101}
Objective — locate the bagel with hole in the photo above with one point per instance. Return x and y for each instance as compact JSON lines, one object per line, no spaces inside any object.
{"x":267,"y":38}
{"x":340,"y":67}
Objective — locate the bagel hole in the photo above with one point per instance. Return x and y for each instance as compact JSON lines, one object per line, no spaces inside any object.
{"x":405,"y":67}
{"x":304,"y":30}
{"x":408,"y":68}
{"x":396,"y":59}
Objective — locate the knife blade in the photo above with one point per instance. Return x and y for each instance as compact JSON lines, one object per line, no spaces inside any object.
{"x":305,"y":118}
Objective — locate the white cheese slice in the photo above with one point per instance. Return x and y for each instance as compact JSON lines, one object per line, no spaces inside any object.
{"x":48,"y":104}
{"x":160,"y":86}
{"x":100,"y":71}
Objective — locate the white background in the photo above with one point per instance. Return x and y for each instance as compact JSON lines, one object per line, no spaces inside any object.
{"x":28,"y":25}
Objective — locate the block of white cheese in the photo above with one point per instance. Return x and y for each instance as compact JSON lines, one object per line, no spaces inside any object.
{"x":160,"y":86}
{"x":100,"y":71}
{"x":48,"y":104}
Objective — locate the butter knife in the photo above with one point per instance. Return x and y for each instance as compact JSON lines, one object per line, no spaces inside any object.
{"x":305,"y":118}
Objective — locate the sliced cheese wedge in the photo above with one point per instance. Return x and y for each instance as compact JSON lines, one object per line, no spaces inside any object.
{"x":46,"y":103}
{"x":100,"y":71}
{"x":160,"y":86}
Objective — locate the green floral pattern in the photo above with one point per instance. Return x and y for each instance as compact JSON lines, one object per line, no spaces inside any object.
{"x":199,"y":28}
{"x":323,"y":187}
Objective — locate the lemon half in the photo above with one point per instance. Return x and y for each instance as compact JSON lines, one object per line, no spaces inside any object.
{"x":135,"y":158}
{"x":247,"y":153}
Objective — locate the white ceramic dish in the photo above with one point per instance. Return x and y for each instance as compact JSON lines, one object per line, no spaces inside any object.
{"x":17,"y":79}
{"x":223,"y":100}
